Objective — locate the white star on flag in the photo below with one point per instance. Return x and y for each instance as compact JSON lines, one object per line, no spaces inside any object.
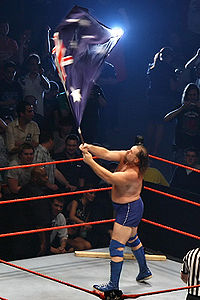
{"x":76,"y":95}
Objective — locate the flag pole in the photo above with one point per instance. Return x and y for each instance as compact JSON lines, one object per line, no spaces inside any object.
{"x":81,"y":136}
{"x":63,"y":83}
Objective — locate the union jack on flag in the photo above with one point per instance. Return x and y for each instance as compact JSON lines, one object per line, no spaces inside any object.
{"x":61,"y":60}
{"x":81,"y":46}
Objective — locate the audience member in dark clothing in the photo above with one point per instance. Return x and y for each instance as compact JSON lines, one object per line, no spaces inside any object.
{"x":80,"y":211}
{"x":8,"y":46}
{"x":187,"y":132}
{"x":33,"y":215}
{"x":184,"y":179}
{"x":34,"y":82}
{"x":73,"y":171}
{"x":162,"y":84}
{"x":91,"y":116}
{"x":10,"y":91}
{"x":51,"y":108}
{"x":66,"y":126}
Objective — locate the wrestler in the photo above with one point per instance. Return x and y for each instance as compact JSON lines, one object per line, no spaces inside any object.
{"x":126,"y":187}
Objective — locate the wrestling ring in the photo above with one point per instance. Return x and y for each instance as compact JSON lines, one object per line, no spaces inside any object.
{"x":71,"y":276}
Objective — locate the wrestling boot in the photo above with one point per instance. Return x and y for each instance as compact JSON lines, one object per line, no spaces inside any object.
{"x":113,"y":284}
{"x":144,"y":273}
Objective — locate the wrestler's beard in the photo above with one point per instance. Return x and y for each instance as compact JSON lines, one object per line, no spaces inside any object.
{"x":125,"y":162}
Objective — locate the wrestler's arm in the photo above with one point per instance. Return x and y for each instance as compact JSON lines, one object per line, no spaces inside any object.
{"x":118,"y":178}
{"x":102,"y":152}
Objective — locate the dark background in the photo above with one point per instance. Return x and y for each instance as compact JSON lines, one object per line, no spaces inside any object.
{"x":148,"y":26}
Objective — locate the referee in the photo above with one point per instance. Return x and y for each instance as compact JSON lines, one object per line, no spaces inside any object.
{"x":190,"y":273}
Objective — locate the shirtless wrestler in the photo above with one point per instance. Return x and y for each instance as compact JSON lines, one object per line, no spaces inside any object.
{"x":126,"y":187}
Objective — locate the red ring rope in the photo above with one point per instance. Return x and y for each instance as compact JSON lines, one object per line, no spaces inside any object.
{"x":56,"y":227}
{"x":174,"y":163}
{"x":172,"y":229}
{"x":158,"y":292}
{"x":94,"y":223}
{"x":172,"y":196}
{"x":80,"y":159}
{"x":51,"y":278}
{"x":94,"y":190}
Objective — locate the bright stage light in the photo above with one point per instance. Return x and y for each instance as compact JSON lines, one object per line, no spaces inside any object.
{"x":118,"y":32}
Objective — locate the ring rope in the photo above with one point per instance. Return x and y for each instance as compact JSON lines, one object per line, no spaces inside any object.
{"x":80,"y":159}
{"x":54,"y":195}
{"x":51,"y":278}
{"x":3,"y":298}
{"x":174,"y":163}
{"x":172,"y":229}
{"x":158,"y":292}
{"x":94,"y":223}
{"x":43,"y":163}
{"x":56,"y":227}
{"x":172,"y":196}
{"x":93,"y":190}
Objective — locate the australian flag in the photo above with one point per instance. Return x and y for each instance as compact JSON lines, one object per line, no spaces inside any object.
{"x":81,"y":46}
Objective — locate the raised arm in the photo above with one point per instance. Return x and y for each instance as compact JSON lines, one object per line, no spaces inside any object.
{"x":102,"y":152}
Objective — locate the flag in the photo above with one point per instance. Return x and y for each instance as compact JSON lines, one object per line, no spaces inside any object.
{"x":81,"y":45}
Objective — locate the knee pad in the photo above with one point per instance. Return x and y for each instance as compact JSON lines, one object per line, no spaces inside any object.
{"x":132,"y":242}
{"x":113,"y":248}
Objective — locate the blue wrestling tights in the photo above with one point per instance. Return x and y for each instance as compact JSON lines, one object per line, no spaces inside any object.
{"x":115,"y":267}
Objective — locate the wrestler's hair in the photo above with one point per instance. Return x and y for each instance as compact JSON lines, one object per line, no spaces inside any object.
{"x":143,"y":157}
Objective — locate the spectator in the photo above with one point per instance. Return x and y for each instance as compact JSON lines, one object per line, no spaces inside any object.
{"x":42,"y":154}
{"x":63,"y":105}
{"x":185,"y":179}
{"x":187,"y":132}
{"x":91,"y":116}
{"x":39,"y":119}
{"x":190,"y":273}
{"x":21,"y":176}
{"x":3,"y":150}
{"x":73,"y":171}
{"x":59,"y":237}
{"x":8,"y":46}
{"x":23,"y":129}
{"x":51,"y":108}
{"x":80,"y":210}
{"x":162,"y":84}
{"x":65,"y":127}
{"x":34,"y":82}
{"x":110,"y":85}
{"x":34,"y":215}
{"x":153,"y":175}
{"x":25,"y":45}
{"x":10,"y":91}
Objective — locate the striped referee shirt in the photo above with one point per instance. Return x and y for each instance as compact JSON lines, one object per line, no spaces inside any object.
{"x":191,"y":266}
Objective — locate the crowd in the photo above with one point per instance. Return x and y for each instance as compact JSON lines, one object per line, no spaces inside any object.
{"x":36,"y":125}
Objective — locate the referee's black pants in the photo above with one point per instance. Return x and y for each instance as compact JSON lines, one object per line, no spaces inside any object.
{"x":192,"y":297}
